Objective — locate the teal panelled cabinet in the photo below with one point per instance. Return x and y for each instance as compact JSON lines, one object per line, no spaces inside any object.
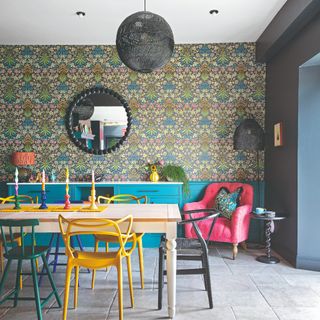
{"x":157,"y":192}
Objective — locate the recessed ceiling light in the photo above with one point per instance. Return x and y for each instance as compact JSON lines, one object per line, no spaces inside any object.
{"x":80,"y":14}
{"x":214,"y":11}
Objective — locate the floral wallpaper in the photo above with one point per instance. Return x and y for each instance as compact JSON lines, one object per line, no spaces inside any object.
{"x":185,"y":113}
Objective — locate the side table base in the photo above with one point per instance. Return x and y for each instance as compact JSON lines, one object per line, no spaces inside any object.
{"x":265,"y":259}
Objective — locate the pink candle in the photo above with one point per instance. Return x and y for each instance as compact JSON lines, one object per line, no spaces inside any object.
{"x":92,"y":176}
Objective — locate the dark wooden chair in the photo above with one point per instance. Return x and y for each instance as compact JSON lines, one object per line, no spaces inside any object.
{"x":190,"y":249}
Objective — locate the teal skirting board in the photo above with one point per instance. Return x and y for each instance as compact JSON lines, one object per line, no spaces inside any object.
{"x":157,"y":193}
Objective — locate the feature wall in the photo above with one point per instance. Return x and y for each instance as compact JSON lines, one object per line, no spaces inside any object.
{"x":185,"y":113}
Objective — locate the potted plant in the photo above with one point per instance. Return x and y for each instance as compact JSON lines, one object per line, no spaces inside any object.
{"x":176,"y":173}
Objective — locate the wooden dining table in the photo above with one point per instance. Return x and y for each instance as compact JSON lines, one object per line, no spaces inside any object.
{"x":148,"y":218}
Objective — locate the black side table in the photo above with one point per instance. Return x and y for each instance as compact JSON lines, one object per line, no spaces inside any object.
{"x":267,"y":258}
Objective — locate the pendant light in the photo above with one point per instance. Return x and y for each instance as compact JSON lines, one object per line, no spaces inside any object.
{"x":144,"y":41}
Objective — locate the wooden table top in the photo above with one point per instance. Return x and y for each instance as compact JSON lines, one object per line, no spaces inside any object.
{"x":140,"y":212}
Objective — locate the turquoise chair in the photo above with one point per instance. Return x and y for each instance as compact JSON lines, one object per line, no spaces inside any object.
{"x":24,"y":252}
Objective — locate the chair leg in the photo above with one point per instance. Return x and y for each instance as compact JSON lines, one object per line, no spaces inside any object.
{"x":1,"y":257}
{"x":36,"y":289}
{"x":160,"y":277}
{"x":107,"y":250}
{"x":130,"y":280}
{"x":205,"y":275}
{"x":20,"y":244}
{"x":53,"y":285}
{"x":47,"y":257}
{"x":120,"y":290}
{"x":5,"y":274}
{"x":141,"y":264}
{"x":18,"y":283}
{"x":234,"y":251}
{"x":67,"y":290}
{"x":244,"y":246}
{"x":76,"y":287}
{"x":208,"y":280}
{"x":56,"y":253}
{"x":93,"y":279}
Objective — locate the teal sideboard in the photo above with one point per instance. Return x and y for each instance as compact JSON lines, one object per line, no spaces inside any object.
{"x":157,"y":192}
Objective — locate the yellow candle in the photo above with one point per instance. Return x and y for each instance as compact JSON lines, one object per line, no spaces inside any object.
{"x":92,"y":179}
{"x":43,"y":180}
{"x":67,"y":180}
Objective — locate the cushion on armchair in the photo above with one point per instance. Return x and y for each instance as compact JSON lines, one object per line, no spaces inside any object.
{"x":226,"y":202}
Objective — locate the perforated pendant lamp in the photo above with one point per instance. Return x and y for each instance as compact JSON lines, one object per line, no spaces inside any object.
{"x":248,"y":136}
{"x":145,"y":41}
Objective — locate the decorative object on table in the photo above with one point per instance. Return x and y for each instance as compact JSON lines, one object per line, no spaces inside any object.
{"x":260,"y":210}
{"x":16,"y":186}
{"x":154,"y":176}
{"x":278,"y":136}
{"x":249,"y":136}
{"x":176,"y":173}
{"x":38,"y":177}
{"x":67,"y":204}
{"x":144,"y":41}
{"x":23,"y":160}
{"x":270,"y":214}
{"x":226,"y":202}
{"x":269,"y":220}
{"x":107,"y":127}
{"x":43,"y":192}
{"x":233,"y":231}
{"x":93,"y":205}
{"x":53,"y":176}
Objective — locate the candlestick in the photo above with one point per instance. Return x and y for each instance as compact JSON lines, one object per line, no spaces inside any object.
{"x":67,"y":196}
{"x":93,"y":205}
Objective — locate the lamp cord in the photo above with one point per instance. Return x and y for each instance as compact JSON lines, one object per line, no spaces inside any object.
{"x":145,"y":5}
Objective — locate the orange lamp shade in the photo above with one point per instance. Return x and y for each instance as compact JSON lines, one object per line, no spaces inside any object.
{"x":20,"y":159}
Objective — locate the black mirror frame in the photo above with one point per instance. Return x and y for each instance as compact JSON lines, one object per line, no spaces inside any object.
{"x":76,"y":102}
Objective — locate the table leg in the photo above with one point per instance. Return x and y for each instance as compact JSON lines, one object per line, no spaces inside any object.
{"x":171,"y":271}
{"x":268,"y":258}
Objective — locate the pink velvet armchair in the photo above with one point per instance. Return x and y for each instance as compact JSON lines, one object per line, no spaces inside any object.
{"x":233,"y":231}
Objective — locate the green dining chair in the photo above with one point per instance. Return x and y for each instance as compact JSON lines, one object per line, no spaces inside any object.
{"x":24,"y":252}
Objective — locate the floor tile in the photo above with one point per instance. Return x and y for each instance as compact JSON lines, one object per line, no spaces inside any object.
{"x":254,"y":313}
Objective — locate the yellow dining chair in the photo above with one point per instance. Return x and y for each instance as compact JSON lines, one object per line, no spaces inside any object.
{"x":122,"y":198}
{"x":97,"y":260}
{"x":16,"y":236}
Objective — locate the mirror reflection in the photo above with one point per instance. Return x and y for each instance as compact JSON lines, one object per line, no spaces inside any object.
{"x":99,"y":122}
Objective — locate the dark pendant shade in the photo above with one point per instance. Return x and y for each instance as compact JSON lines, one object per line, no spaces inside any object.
{"x":248,"y":136}
{"x":144,"y":41}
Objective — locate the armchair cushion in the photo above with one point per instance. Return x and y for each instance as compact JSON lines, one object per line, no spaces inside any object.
{"x":226,"y":202}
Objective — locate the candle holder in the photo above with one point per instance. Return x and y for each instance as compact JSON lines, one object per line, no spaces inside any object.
{"x":67,"y":204}
{"x":43,"y":200}
{"x":16,"y":203}
{"x":93,"y":205}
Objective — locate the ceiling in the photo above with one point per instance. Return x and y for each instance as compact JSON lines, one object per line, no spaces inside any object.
{"x":55,"y":22}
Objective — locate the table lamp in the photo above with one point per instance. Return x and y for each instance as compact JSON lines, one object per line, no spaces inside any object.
{"x":22,"y":160}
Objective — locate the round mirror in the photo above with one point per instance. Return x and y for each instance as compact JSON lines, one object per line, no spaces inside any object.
{"x":98,"y":120}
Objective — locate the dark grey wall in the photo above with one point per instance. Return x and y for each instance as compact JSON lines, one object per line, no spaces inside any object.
{"x":308,"y":254}
{"x":282,"y":105}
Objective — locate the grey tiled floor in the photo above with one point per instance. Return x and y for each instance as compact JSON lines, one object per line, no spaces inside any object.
{"x":242,"y":289}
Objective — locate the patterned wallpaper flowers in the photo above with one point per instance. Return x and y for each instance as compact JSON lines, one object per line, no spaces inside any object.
{"x":185,"y":113}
